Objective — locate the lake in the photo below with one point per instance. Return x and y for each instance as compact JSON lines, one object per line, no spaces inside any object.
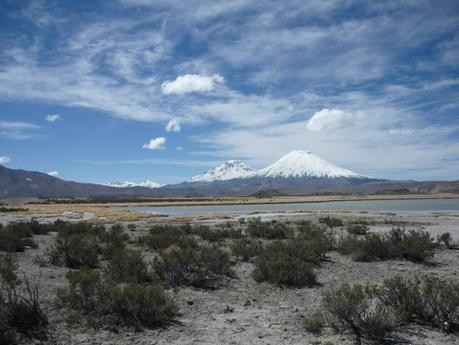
{"x":427,"y":205}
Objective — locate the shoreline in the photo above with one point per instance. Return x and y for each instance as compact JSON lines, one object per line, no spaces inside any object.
{"x":261,"y":201}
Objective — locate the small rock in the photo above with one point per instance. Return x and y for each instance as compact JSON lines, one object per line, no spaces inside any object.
{"x":190,"y":302}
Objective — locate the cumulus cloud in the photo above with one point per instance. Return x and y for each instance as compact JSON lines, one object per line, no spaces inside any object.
{"x":332,"y":119}
{"x":155,"y":144}
{"x":191,"y":83}
{"x":173,"y":126}
{"x":4,"y":160}
{"x":53,"y":173}
{"x":53,"y":118}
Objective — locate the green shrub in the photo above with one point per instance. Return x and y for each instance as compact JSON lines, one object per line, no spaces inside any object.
{"x":147,"y":306}
{"x":355,"y":309}
{"x":87,"y":292}
{"x":426,"y":299}
{"x":163,"y":236}
{"x":268,"y":230}
{"x":246,"y":248}
{"x":75,"y":251}
{"x":280,"y":264}
{"x":284,"y":270}
{"x":128,"y":265}
{"x":415,"y":246}
{"x":191,"y":264}
{"x":369,"y":248}
{"x":114,"y":241}
{"x":132,"y":305}
{"x":20,"y":308}
{"x":331,"y":222}
{"x":16,"y":237}
{"x":314,"y":322}
{"x":357,"y":227}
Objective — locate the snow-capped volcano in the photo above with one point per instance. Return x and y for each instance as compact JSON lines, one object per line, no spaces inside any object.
{"x":305,"y":164}
{"x":227,"y":171}
{"x":126,"y":184}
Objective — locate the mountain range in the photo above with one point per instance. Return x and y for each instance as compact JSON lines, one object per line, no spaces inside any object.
{"x":297,"y":173}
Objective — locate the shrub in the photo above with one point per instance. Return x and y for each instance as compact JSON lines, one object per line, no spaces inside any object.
{"x":354,"y":309}
{"x":268,"y":230}
{"x":147,"y":306}
{"x":87,"y":291}
{"x":331,"y":222}
{"x":284,"y":270}
{"x":314,"y":323}
{"x":128,"y":265}
{"x":369,"y":248}
{"x":426,"y":299}
{"x":191,"y":264}
{"x":131,"y":305}
{"x":16,"y":237}
{"x":446,"y":240}
{"x":415,"y":246}
{"x":78,"y":244}
{"x":20,"y":309}
{"x":281,"y":265}
{"x":246,"y":248}
{"x":114,"y":241}
{"x":163,"y":236}
{"x":357,"y":228}
{"x":75,"y":251}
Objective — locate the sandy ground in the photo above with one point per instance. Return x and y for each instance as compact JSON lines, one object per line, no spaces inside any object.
{"x":246,"y":312}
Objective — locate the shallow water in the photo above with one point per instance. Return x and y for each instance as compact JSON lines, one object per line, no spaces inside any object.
{"x":428,"y":205}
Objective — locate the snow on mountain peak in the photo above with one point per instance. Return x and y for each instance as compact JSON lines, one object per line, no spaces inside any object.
{"x":305,"y":164}
{"x":227,"y":171}
{"x":126,"y":184}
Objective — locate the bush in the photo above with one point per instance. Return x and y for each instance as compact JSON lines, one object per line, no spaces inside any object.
{"x":331,"y":222}
{"x":131,"y":305}
{"x":147,"y":306}
{"x":163,"y":236}
{"x":191,"y":264}
{"x":128,"y":266}
{"x":247,"y":248}
{"x":268,"y":230}
{"x":426,"y":299}
{"x":16,"y":237}
{"x":114,"y":241}
{"x":280,"y":265}
{"x":20,"y":309}
{"x":357,"y":228}
{"x":355,"y":309}
{"x":446,"y":240}
{"x":75,"y":251}
{"x":87,"y":291}
{"x":415,"y":246}
{"x":315,"y":322}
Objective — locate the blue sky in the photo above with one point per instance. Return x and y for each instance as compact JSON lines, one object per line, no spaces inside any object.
{"x":163,"y":90}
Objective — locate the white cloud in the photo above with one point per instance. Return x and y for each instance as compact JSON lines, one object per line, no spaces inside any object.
{"x":53,"y":118}
{"x":53,"y":173}
{"x":179,"y":148}
{"x":155,"y":144}
{"x":333,"y":119}
{"x":173,"y":126}
{"x":191,"y":83}
{"x":17,"y":130}
{"x":4,"y":160}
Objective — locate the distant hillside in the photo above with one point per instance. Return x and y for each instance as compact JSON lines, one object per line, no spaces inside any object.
{"x":22,"y":183}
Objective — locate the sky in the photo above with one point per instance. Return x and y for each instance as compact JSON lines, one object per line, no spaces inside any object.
{"x":100,"y":91}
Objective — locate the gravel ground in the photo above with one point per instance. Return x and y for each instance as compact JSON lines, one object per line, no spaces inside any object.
{"x":246,"y":312}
